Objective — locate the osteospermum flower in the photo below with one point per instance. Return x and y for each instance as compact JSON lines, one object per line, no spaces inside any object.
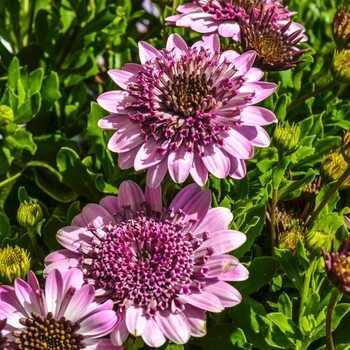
{"x":3,"y":340}
{"x":188,"y":110}
{"x":276,"y":47}
{"x":338,"y":266}
{"x":341,"y":27}
{"x":63,"y":316}
{"x":222,"y":16}
{"x":163,"y":268}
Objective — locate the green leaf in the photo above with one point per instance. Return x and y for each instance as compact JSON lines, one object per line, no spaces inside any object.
{"x":29,"y":109}
{"x":23,"y":195}
{"x":281,"y":106}
{"x":14,"y":73}
{"x":42,"y":31}
{"x":100,"y":21}
{"x":76,"y":175}
{"x":5,"y":188}
{"x":278,"y":172}
{"x":49,"y":92}
{"x":261,"y":272}
{"x":5,"y":160}
{"x":289,"y":266}
{"x":223,"y":337}
{"x":285,"y":305}
{"x":36,"y":79}
{"x":5,"y":228}
{"x":286,"y":325}
{"x":19,"y":141}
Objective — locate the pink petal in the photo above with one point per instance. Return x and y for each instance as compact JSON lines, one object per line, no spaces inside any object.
{"x":239,"y":273}
{"x":156,"y":173}
{"x":220,"y":264}
{"x":216,"y":161}
{"x":254,"y":116}
{"x":184,"y":195}
{"x":179,"y":164}
{"x":103,"y":344}
{"x":135,"y":321}
{"x":27,"y":297}
{"x":236,"y":144}
{"x":261,"y":90}
{"x":120,"y":332}
{"x":216,"y":219}
{"x":197,"y":320}
{"x":228,"y":295}
{"x":121,"y":77}
{"x":229,"y":29}
{"x":33,"y":281}
{"x":152,"y":335}
{"x":174,"y":326}
{"x":130,"y":194}
{"x":147,"y":52}
{"x":177,"y":45}
{"x":148,"y":155}
{"x":97,"y":216}
{"x":238,"y":168}
{"x":110,"y":203}
{"x":72,"y":237}
{"x":112,"y":101}
{"x":114,"y":122}
{"x":256,"y":135}
{"x":204,"y":25}
{"x":126,"y":160}
{"x":54,"y":292}
{"x":154,"y":198}
{"x":61,"y":255}
{"x":99,"y":324}
{"x":254,"y":74}
{"x":244,"y":62}
{"x":12,"y":315}
{"x":211,"y":43}
{"x":204,"y":301}
{"x":199,"y":172}
{"x":127,"y":139}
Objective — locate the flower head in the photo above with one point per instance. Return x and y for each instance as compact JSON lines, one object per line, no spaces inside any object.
{"x":222,"y":16}
{"x":35,"y":316}
{"x":3,"y":340}
{"x":340,"y":66}
{"x":162,"y":267}
{"x":338,"y":266}
{"x":29,"y":214}
{"x":188,"y":110}
{"x":276,"y":47}
{"x":286,"y":137}
{"x":14,"y":263}
{"x":341,"y":27}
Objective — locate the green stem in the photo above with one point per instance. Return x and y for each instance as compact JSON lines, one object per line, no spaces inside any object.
{"x":305,"y":292}
{"x":68,"y":47}
{"x":273,"y":220}
{"x":312,"y":94}
{"x":331,"y":304}
{"x":328,"y":196}
{"x":31,"y":18}
{"x":39,"y":255}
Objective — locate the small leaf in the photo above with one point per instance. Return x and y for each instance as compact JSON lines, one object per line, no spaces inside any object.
{"x":279,"y":171}
{"x":286,"y":325}
{"x":14,"y":73}
{"x":29,"y":109}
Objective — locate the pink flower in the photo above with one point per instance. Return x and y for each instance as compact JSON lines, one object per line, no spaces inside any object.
{"x":163,"y":268}
{"x":222,"y":16}
{"x":187,"y":110}
{"x":65,"y":306}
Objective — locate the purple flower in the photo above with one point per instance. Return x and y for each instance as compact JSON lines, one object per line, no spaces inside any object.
{"x":187,"y":110}
{"x":222,"y":16}
{"x":65,"y":306}
{"x":3,"y":340}
{"x":338,"y":264}
{"x":163,"y":268}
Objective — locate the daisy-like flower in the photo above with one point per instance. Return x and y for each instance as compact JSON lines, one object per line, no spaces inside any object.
{"x":276,"y":47}
{"x":341,"y":27}
{"x":63,"y":316}
{"x":188,"y":110}
{"x":338,"y":265}
{"x":222,"y":16}
{"x":163,"y":268}
{"x":3,"y":340}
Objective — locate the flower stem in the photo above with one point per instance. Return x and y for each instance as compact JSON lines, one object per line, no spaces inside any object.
{"x":328,"y":196}
{"x":312,"y":94}
{"x":273,"y":220}
{"x":331,"y":304}
{"x":306,"y":286}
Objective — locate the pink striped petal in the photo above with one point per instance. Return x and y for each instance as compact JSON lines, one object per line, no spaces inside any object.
{"x":135,"y":321}
{"x":197,"y":320}
{"x":254,"y":116}
{"x":148,"y":155}
{"x":126,"y":140}
{"x":179,"y":164}
{"x":204,"y":301}
{"x":98,"y":324}
{"x":120,"y":332}
{"x":216,"y":219}
{"x":72,"y":237}
{"x":237,"y":144}
{"x":113,"y":101}
{"x":229,"y":29}
{"x":228,"y":295}
{"x":96,"y":216}
{"x":147,"y":52}
{"x":156,"y":173}
{"x":154,"y":198}
{"x":199,"y":172}
{"x":239,"y":273}
{"x":126,"y":160}
{"x":216,"y":161}
{"x":131,"y":195}
{"x":114,"y":122}
{"x":152,"y":334}
{"x":110,"y":203}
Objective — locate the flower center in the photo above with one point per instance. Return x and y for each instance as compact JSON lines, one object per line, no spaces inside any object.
{"x":189,"y":93}
{"x":47,"y":333}
{"x":143,"y":261}
{"x":341,"y":267}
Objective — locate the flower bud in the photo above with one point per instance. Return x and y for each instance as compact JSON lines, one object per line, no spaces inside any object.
{"x":340,"y":66}
{"x":14,"y":263}
{"x":286,"y":137}
{"x":315,"y":240}
{"x":29,"y":214}
{"x":345,"y":147}
{"x":341,"y":27}
{"x":6,"y":115}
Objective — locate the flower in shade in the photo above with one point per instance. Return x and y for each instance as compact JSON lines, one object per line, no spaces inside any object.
{"x":163,"y":268}
{"x":338,"y":265}
{"x":222,"y":16}
{"x":63,"y":316}
{"x":3,"y":340}
{"x":341,"y":27}
{"x":188,"y":110}
{"x":276,"y":47}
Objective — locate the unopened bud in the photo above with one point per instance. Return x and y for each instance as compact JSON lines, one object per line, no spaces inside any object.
{"x":6,"y":115}
{"x":286,"y":137}
{"x":340,"y":66}
{"x":29,"y":214}
{"x":315,"y":240}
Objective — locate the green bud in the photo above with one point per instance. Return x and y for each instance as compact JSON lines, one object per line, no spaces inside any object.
{"x":286,"y":137}
{"x":315,"y":240}
{"x":14,"y":263}
{"x":6,"y":115}
{"x":29,"y":214}
{"x":340,"y":66}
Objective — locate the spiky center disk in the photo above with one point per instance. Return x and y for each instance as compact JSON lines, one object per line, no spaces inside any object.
{"x":177,"y":99}
{"x":47,"y":333}
{"x":145,"y":262}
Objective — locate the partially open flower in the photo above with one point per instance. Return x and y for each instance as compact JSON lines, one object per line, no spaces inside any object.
{"x":29,"y":214}
{"x":188,"y":110}
{"x":222,"y":16}
{"x":14,"y":263}
{"x":63,"y":315}
{"x":338,"y":266}
{"x":276,"y":47}
{"x":341,"y":27}
{"x":3,"y":340}
{"x":286,"y":137}
{"x":340,"y":66}
{"x":164,"y":268}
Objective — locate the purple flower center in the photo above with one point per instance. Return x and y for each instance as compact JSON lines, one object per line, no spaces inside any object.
{"x":144,"y":262}
{"x":177,"y":99}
